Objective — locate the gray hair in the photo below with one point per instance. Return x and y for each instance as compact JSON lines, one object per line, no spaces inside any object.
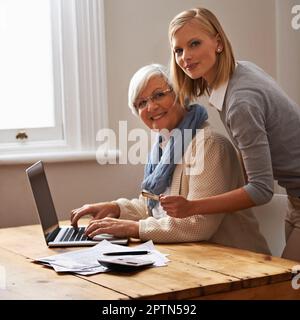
{"x":140,"y":80}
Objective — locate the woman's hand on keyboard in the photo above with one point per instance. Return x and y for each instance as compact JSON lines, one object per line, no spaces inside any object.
{"x":96,"y":210}
{"x":117,"y":227}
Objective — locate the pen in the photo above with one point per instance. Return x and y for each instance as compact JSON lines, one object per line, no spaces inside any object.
{"x":124,"y":253}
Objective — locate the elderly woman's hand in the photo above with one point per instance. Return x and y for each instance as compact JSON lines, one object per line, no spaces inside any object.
{"x":177,"y":206}
{"x":116,"y":227}
{"x":96,"y":210}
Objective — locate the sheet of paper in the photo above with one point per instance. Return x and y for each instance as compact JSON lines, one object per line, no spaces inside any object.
{"x":85,"y":261}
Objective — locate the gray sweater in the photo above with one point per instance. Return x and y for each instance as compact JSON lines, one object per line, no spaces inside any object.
{"x":264,"y":124}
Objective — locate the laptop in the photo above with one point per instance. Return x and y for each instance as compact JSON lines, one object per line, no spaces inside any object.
{"x":55,"y":235}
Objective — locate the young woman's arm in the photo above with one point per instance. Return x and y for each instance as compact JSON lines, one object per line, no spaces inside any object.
{"x":179,"y":207}
{"x":219,"y":187}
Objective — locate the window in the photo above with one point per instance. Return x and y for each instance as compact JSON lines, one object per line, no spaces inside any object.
{"x":53,"y":57}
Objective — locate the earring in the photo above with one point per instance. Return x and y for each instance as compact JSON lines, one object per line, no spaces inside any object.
{"x":219,"y":50}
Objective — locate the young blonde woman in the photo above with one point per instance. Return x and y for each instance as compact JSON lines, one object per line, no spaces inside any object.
{"x":193,"y":172}
{"x":261,"y":120}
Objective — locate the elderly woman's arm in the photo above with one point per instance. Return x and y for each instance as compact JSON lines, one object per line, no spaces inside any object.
{"x":134,"y":209}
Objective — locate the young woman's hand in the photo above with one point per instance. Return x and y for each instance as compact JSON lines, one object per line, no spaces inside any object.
{"x":96,"y":210}
{"x":177,"y":206}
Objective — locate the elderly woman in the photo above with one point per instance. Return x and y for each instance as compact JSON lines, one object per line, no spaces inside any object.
{"x":201,"y":164}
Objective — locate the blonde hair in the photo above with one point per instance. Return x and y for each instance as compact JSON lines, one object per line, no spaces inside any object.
{"x":184,"y":86}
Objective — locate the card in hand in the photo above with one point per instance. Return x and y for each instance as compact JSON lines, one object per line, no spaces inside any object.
{"x":150,"y":195}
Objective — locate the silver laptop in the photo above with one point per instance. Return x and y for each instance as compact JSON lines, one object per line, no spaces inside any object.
{"x":55,"y":235}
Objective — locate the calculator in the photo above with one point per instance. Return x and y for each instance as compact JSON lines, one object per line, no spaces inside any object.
{"x":125,"y":263}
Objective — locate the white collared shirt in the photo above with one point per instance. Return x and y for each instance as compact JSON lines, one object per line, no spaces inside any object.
{"x":217,"y":96}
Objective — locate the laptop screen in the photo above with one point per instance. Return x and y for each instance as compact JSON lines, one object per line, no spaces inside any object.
{"x":42,"y":196}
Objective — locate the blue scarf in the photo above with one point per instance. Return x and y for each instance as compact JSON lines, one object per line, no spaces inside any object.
{"x":161,"y":165}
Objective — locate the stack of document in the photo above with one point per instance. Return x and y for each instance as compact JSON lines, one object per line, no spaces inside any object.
{"x":85,"y":261}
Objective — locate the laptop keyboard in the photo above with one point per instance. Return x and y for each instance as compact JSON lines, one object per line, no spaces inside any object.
{"x":73,"y":234}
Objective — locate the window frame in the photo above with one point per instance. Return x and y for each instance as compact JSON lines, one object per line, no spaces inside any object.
{"x":80,"y":82}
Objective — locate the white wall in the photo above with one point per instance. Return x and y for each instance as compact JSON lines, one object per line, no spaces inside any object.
{"x":72,"y":184}
{"x":288,"y":49}
{"x":136,"y":34}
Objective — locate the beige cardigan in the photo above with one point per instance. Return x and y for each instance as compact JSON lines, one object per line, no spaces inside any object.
{"x":213,"y":172}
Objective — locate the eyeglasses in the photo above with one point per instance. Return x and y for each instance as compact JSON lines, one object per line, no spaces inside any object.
{"x":158,"y":96}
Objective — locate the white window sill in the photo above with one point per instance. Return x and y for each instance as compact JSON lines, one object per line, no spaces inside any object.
{"x":67,"y":156}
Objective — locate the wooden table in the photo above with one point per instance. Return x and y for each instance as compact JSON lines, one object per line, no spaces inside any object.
{"x":196,"y":271}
